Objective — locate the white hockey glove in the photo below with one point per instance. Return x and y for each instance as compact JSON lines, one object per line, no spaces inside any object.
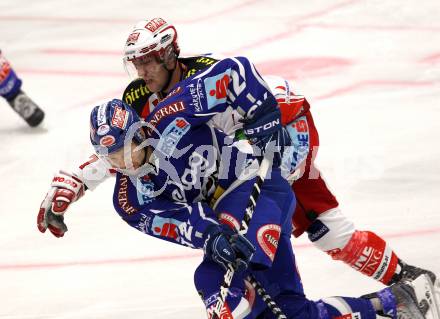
{"x":65,"y":189}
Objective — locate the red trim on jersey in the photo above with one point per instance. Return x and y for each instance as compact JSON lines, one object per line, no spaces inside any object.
{"x":146,"y":110}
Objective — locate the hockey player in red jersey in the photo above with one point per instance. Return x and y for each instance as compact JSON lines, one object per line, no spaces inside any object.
{"x":317,"y":211}
{"x":10,"y":90}
{"x":152,"y":53}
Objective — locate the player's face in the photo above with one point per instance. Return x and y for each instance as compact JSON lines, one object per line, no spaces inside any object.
{"x":120,"y":160}
{"x":152,"y":71}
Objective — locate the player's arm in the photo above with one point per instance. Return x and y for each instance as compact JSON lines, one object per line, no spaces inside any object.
{"x":239,"y":86}
{"x":194,"y":225}
{"x":230,"y":83}
{"x":65,"y":189}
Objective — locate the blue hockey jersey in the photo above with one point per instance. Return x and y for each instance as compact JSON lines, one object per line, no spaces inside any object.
{"x":191,"y":158}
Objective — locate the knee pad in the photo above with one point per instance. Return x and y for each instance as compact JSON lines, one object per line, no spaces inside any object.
{"x":331,"y":231}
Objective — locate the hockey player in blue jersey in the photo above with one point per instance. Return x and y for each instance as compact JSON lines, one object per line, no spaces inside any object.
{"x":170,"y":160}
{"x":152,"y":54}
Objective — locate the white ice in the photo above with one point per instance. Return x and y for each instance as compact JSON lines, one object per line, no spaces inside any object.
{"x":371,"y":70}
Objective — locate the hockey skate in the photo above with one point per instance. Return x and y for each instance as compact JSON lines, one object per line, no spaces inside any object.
{"x":27,"y":109}
{"x":409,"y":273}
{"x":417,"y":299}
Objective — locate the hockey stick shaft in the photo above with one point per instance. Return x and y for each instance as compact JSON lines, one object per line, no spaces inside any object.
{"x":266,"y":298}
{"x":249,"y":212}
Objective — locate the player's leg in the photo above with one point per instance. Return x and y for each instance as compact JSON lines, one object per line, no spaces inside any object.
{"x":207,"y":279}
{"x":282,"y":282}
{"x":403,"y":300}
{"x":317,"y":213}
{"x":10,"y":89}
{"x":330,"y":231}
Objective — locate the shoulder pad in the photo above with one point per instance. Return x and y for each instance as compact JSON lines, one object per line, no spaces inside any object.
{"x":196,"y":64}
{"x":136,"y":95}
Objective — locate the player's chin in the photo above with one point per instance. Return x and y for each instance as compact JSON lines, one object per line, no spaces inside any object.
{"x":152,"y":86}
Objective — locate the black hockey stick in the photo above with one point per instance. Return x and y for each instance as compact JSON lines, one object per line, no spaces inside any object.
{"x":249,"y":212}
{"x":270,"y":303}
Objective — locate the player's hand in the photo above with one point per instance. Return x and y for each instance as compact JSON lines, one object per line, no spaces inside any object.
{"x":65,"y":189}
{"x":227,"y":247}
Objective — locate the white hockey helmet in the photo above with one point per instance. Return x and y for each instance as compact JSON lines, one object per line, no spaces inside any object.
{"x":154,"y":36}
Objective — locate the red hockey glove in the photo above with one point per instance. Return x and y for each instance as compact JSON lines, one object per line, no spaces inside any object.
{"x":65,"y":189}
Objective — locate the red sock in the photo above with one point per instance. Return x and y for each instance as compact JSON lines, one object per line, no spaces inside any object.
{"x":371,"y":255}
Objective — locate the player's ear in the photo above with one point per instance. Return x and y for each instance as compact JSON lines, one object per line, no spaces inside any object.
{"x":170,"y":58}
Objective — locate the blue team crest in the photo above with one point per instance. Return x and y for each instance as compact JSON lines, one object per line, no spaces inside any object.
{"x":216,"y":88}
{"x":172,"y":135}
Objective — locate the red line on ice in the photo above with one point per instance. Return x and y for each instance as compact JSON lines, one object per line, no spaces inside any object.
{"x":362,"y":84}
{"x":35,"y":266}
{"x":292,"y":28}
{"x":219,"y":13}
{"x":432,"y":58}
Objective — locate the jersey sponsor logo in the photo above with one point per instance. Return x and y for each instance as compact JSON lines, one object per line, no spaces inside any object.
{"x":101,"y":118}
{"x":216,"y":88}
{"x":103,"y":129}
{"x":197,"y":95}
{"x":123,"y":196}
{"x":119,"y":118}
{"x":107,"y":141}
{"x":136,"y":93}
{"x":155,"y":24}
{"x":317,"y":230}
{"x":172,"y":228}
{"x":167,"y":110}
{"x":300,"y":136}
{"x":383,"y":267}
{"x":166,"y":227}
{"x":268,"y":237}
{"x":172,"y":135}
{"x":205,"y":60}
{"x":368,"y":261}
{"x":132,"y":38}
{"x":145,"y":190}
{"x":225,"y":313}
{"x":144,"y":223}
{"x":228,"y":219}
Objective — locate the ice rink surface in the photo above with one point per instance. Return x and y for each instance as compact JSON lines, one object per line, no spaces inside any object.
{"x":371,"y":70}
